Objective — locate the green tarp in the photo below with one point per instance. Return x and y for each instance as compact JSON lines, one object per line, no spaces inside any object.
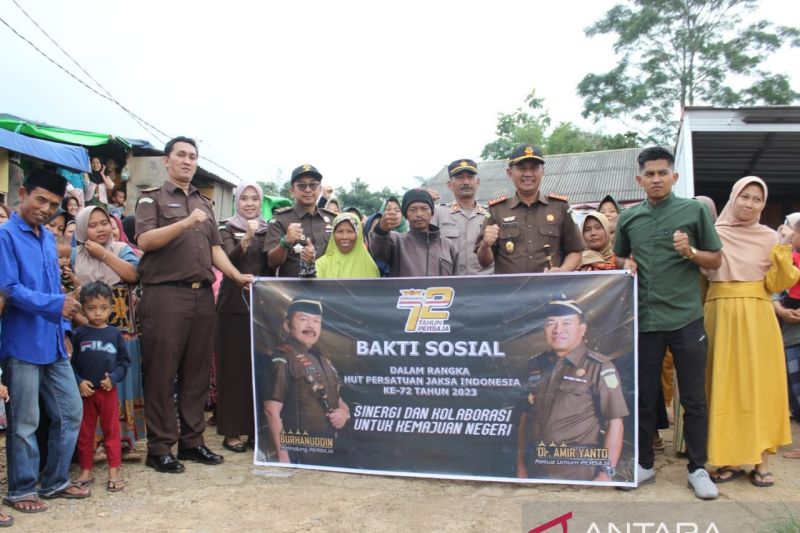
{"x":63,"y":135}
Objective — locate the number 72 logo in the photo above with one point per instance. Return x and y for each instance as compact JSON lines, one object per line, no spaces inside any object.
{"x":426,"y":308}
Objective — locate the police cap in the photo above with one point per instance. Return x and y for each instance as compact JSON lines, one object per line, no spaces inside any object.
{"x":304,"y":305}
{"x":525,"y":151}
{"x":462,"y":165}
{"x":562,"y":308}
{"x":305,"y":170}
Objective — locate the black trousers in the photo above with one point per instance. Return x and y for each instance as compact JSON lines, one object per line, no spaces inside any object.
{"x":689,"y":348}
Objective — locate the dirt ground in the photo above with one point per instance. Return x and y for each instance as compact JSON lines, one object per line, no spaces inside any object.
{"x":238,"y":496}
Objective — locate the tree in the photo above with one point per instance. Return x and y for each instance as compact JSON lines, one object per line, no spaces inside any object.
{"x":360,"y":196}
{"x":272,"y":188}
{"x":567,"y":138}
{"x":519,"y":127}
{"x":677,"y":53}
{"x":522,"y":127}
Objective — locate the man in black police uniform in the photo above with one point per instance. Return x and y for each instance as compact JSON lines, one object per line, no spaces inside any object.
{"x":530,"y":231}
{"x":299,"y":233}
{"x":574,"y":403}
{"x":301,"y":397}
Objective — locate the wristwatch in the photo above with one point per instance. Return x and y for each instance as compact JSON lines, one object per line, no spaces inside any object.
{"x":692,"y":253}
{"x":610,"y":471}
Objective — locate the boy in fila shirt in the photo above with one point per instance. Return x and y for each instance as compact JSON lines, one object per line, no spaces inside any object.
{"x":100,"y":361}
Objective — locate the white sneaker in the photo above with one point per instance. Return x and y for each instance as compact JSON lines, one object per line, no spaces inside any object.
{"x":647,"y":476}
{"x":704,"y":488}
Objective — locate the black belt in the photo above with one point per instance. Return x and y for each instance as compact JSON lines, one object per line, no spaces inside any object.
{"x":183,"y":284}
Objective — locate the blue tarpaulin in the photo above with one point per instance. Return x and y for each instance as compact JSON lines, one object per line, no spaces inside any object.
{"x":63,"y":155}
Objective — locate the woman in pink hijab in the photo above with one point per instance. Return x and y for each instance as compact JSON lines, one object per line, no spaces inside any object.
{"x":746,"y":373}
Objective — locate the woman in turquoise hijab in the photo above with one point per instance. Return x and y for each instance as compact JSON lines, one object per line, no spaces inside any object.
{"x":346,"y":256}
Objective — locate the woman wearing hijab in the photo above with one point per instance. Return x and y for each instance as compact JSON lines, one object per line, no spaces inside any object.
{"x":98,"y":257}
{"x":348,"y":257}
{"x":746,"y":373}
{"x":611,"y":209}
{"x":242,"y":239}
{"x":678,"y":437}
{"x":391,"y":204}
{"x":599,"y":253}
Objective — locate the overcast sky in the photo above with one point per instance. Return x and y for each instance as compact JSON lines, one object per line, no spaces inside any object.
{"x":377,"y":90}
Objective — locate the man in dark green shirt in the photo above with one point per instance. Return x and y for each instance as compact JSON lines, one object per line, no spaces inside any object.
{"x":666,"y":240}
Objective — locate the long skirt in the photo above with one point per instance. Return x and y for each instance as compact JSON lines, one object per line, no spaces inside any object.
{"x":234,"y":376}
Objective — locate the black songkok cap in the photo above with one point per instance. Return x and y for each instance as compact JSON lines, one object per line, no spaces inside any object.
{"x":48,"y":180}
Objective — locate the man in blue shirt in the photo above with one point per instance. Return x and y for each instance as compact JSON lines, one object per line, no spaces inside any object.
{"x":35,"y":349}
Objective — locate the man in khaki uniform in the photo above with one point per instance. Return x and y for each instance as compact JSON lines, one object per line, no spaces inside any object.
{"x":175,"y":227}
{"x":574,"y":402}
{"x":530,"y":231}
{"x":300,"y":232}
{"x":461,"y":220}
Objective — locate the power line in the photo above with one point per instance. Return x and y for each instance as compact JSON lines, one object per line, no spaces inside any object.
{"x":70,"y":74}
{"x":147,"y":126}
{"x":135,"y":117}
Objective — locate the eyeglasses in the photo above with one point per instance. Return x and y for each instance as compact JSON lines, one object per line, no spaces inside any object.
{"x":307,"y":185}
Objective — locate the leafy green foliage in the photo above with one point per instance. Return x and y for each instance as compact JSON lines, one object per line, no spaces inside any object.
{"x":361,"y":197}
{"x":533,"y":127}
{"x":677,"y":53}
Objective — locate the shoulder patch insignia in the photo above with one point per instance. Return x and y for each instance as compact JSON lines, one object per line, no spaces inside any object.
{"x":600,"y":358}
{"x":610,"y":377}
{"x":283,"y":209}
{"x":561,"y":197}
{"x":146,"y":200}
{"x":498,"y":200}
{"x":278,"y":360}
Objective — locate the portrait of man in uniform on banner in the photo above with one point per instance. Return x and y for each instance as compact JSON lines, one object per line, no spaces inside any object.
{"x":525,"y":378}
{"x":301,"y":399}
{"x":572,"y":410}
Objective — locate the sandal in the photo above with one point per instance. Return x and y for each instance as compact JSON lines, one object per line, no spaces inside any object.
{"x":32,"y":504}
{"x":6,"y":520}
{"x":794,"y":454}
{"x":115,"y":485}
{"x":83,"y":482}
{"x":758,"y":478}
{"x":719,"y":475}
{"x":237,"y":447}
{"x":72,"y":492}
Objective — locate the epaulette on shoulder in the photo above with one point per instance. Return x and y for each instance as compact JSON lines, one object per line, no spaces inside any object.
{"x":324,"y":211}
{"x":280,"y":210}
{"x":497,"y":200}
{"x":151,"y":189}
{"x":555,"y":196}
{"x":600,"y":358}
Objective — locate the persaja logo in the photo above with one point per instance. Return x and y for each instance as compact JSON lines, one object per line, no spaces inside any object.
{"x":426,"y":309}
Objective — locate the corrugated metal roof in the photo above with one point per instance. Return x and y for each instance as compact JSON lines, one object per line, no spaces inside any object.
{"x":584,"y":178}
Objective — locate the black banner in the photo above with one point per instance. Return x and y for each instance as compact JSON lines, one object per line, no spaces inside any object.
{"x":507,"y":378}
